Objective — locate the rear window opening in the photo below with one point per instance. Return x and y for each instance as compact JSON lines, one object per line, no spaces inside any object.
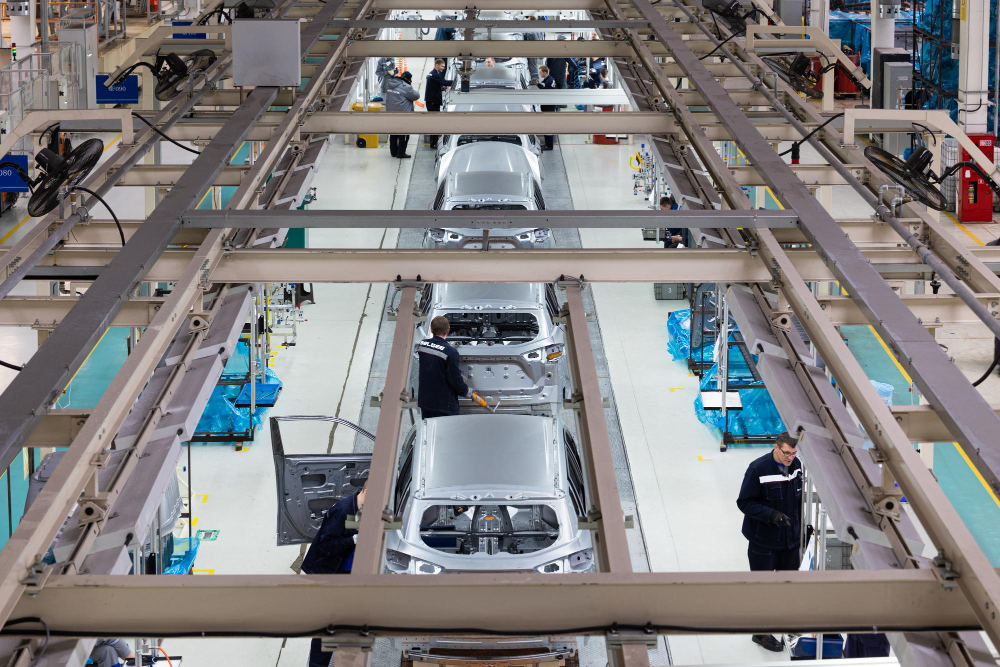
{"x":484,"y":328}
{"x":476,"y":138}
{"x":489,"y":529}
{"x":490,"y":207}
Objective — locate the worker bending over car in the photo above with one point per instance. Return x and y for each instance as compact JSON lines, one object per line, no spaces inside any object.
{"x":332,"y":551}
{"x":771,"y":500}
{"x":440,"y":382}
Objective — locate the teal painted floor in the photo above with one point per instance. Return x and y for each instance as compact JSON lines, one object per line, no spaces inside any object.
{"x":957,"y":478}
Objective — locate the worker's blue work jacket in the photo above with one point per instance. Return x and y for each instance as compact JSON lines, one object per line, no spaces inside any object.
{"x":766,"y":488}
{"x":441,"y":381}
{"x":333,"y":545}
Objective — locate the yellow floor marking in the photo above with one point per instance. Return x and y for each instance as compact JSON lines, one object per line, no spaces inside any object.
{"x":16,"y":227}
{"x":113,"y":141}
{"x":194,"y":522}
{"x":87,"y":357}
{"x":196,"y":571}
{"x":241,"y":450}
{"x":963,"y":228}
{"x":203,"y":496}
{"x":957,"y":446}
{"x":702,"y":458}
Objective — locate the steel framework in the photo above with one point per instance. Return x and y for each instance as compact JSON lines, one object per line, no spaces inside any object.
{"x":895,"y":589}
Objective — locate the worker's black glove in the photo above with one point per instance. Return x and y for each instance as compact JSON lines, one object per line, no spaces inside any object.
{"x":780,"y":520}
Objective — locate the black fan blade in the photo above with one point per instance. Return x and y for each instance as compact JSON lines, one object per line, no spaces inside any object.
{"x":799,"y":83}
{"x":80,"y":162}
{"x":83,"y":159}
{"x":916,"y":185}
{"x":167,"y":84}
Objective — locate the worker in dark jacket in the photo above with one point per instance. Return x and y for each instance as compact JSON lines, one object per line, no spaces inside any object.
{"x":434,"y":92}
{"x":441,"y":381}
{"x":771,"y":500}
{"x":558,"y":68}
{"x":444,"y":34}
{"x":547,"y":83}
{"x":332,"y":551}
{"x":399,"y":97}
{"x":675,"y":235}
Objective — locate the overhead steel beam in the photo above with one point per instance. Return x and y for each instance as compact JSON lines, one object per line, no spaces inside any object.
{"x":379,"y":500}
{"x":862,"y":232}
{"x":57,"y":428}
{"x":553,"y":25}
{"x":931,"y":310}
{"x":604,"y":504}
{"x":496,"y":48}
{"x":595,"y":265}
{"x":316,"y":219}
{"x":521,"y":603}
{"x":45,"y":312}
{"x":922,"y":424}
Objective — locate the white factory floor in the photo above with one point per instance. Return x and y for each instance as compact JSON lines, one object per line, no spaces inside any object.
{"x":685,"y":488}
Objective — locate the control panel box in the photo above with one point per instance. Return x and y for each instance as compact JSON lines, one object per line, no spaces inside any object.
{"x":974,"y":198}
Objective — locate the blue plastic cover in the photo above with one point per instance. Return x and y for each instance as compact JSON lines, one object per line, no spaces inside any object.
{"x":221,"y":414}
{"x":182,"y":560}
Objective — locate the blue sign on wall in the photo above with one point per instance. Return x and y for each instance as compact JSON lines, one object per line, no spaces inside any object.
{"x":123,"y":92}
{"x":187,"y":35}
{"x":10,"y":181}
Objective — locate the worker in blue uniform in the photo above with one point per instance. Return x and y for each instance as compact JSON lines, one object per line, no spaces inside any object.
{"x":675,"y":235}
{"x":771,"y":501}
{"x":332,"y":551}
{"x":441,"y":382}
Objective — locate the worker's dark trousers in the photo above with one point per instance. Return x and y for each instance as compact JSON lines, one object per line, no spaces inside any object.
{"x":318,"y":657}
{"x":763,"y":559}
{"x":397,"y":144}
{"x":550,"y":139}
{"x":433,"y":138}
{"x":428,"y":414}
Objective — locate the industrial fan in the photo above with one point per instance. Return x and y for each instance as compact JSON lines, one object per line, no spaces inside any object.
{"x":916,"y":177}
{"x":798,"y":74}
{"x":57,"y":171}
{"x":729,"y":13}
{"x":171,"y":71}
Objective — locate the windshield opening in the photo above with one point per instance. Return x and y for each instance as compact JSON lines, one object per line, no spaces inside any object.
{"x":476,"y":138}
{"x":489,"y":529}
{"x":490,"y":207}
{"x":485,"y":328}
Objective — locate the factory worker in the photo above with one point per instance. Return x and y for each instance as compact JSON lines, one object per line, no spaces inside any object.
{"x":399,"y":97}
{"x":332,"y":551}
{"x":675,"y":235}
{"x":111,"y":652}
{"x":771,"y":501}
{"x":441,"y":382}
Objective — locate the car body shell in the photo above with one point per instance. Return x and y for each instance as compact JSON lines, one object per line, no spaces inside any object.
{"x":511,"y":373}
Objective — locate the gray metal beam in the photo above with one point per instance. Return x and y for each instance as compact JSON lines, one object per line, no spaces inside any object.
{"x":509,"y":25}
{"x":45,"y":312}
{"x":316,"y":219}
{"x":33,"y":391}
{"x":519,"y":603}
{"x":938,"y":378}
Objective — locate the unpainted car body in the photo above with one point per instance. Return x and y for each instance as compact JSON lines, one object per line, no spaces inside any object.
{"x":489,"y":157}
{"x":480,"y":493}
{"x":513,"y":354}
{"x":489,"y":176}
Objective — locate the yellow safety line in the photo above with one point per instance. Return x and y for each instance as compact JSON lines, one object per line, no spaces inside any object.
{"x":774,"y":198}
{"x":111,"y":143}
{"x":963,"y":228}
{"x":88,"y":356}
{"x":16,"y":227}
{"x":957,"y":446}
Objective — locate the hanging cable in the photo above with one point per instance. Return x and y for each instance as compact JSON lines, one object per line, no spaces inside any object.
{"x":806,"y":138}
{"x":99,"y":198}
{"x":159,"y":132}
{"x":996,"y":360}
{"x":13,"y":367}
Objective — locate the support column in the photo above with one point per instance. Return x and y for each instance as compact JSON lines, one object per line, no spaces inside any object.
{"x":973,"y":64}
{"x":22,"y":32}
{"x":819,"y":15}
{"x":883,"y":35}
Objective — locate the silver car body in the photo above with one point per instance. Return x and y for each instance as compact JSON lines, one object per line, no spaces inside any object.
{"x":489,"y":157}
{"x":487,"y":176}
{"x":475,"y":492}
{"x":512,"y":352}
{"x":490,"y":492}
